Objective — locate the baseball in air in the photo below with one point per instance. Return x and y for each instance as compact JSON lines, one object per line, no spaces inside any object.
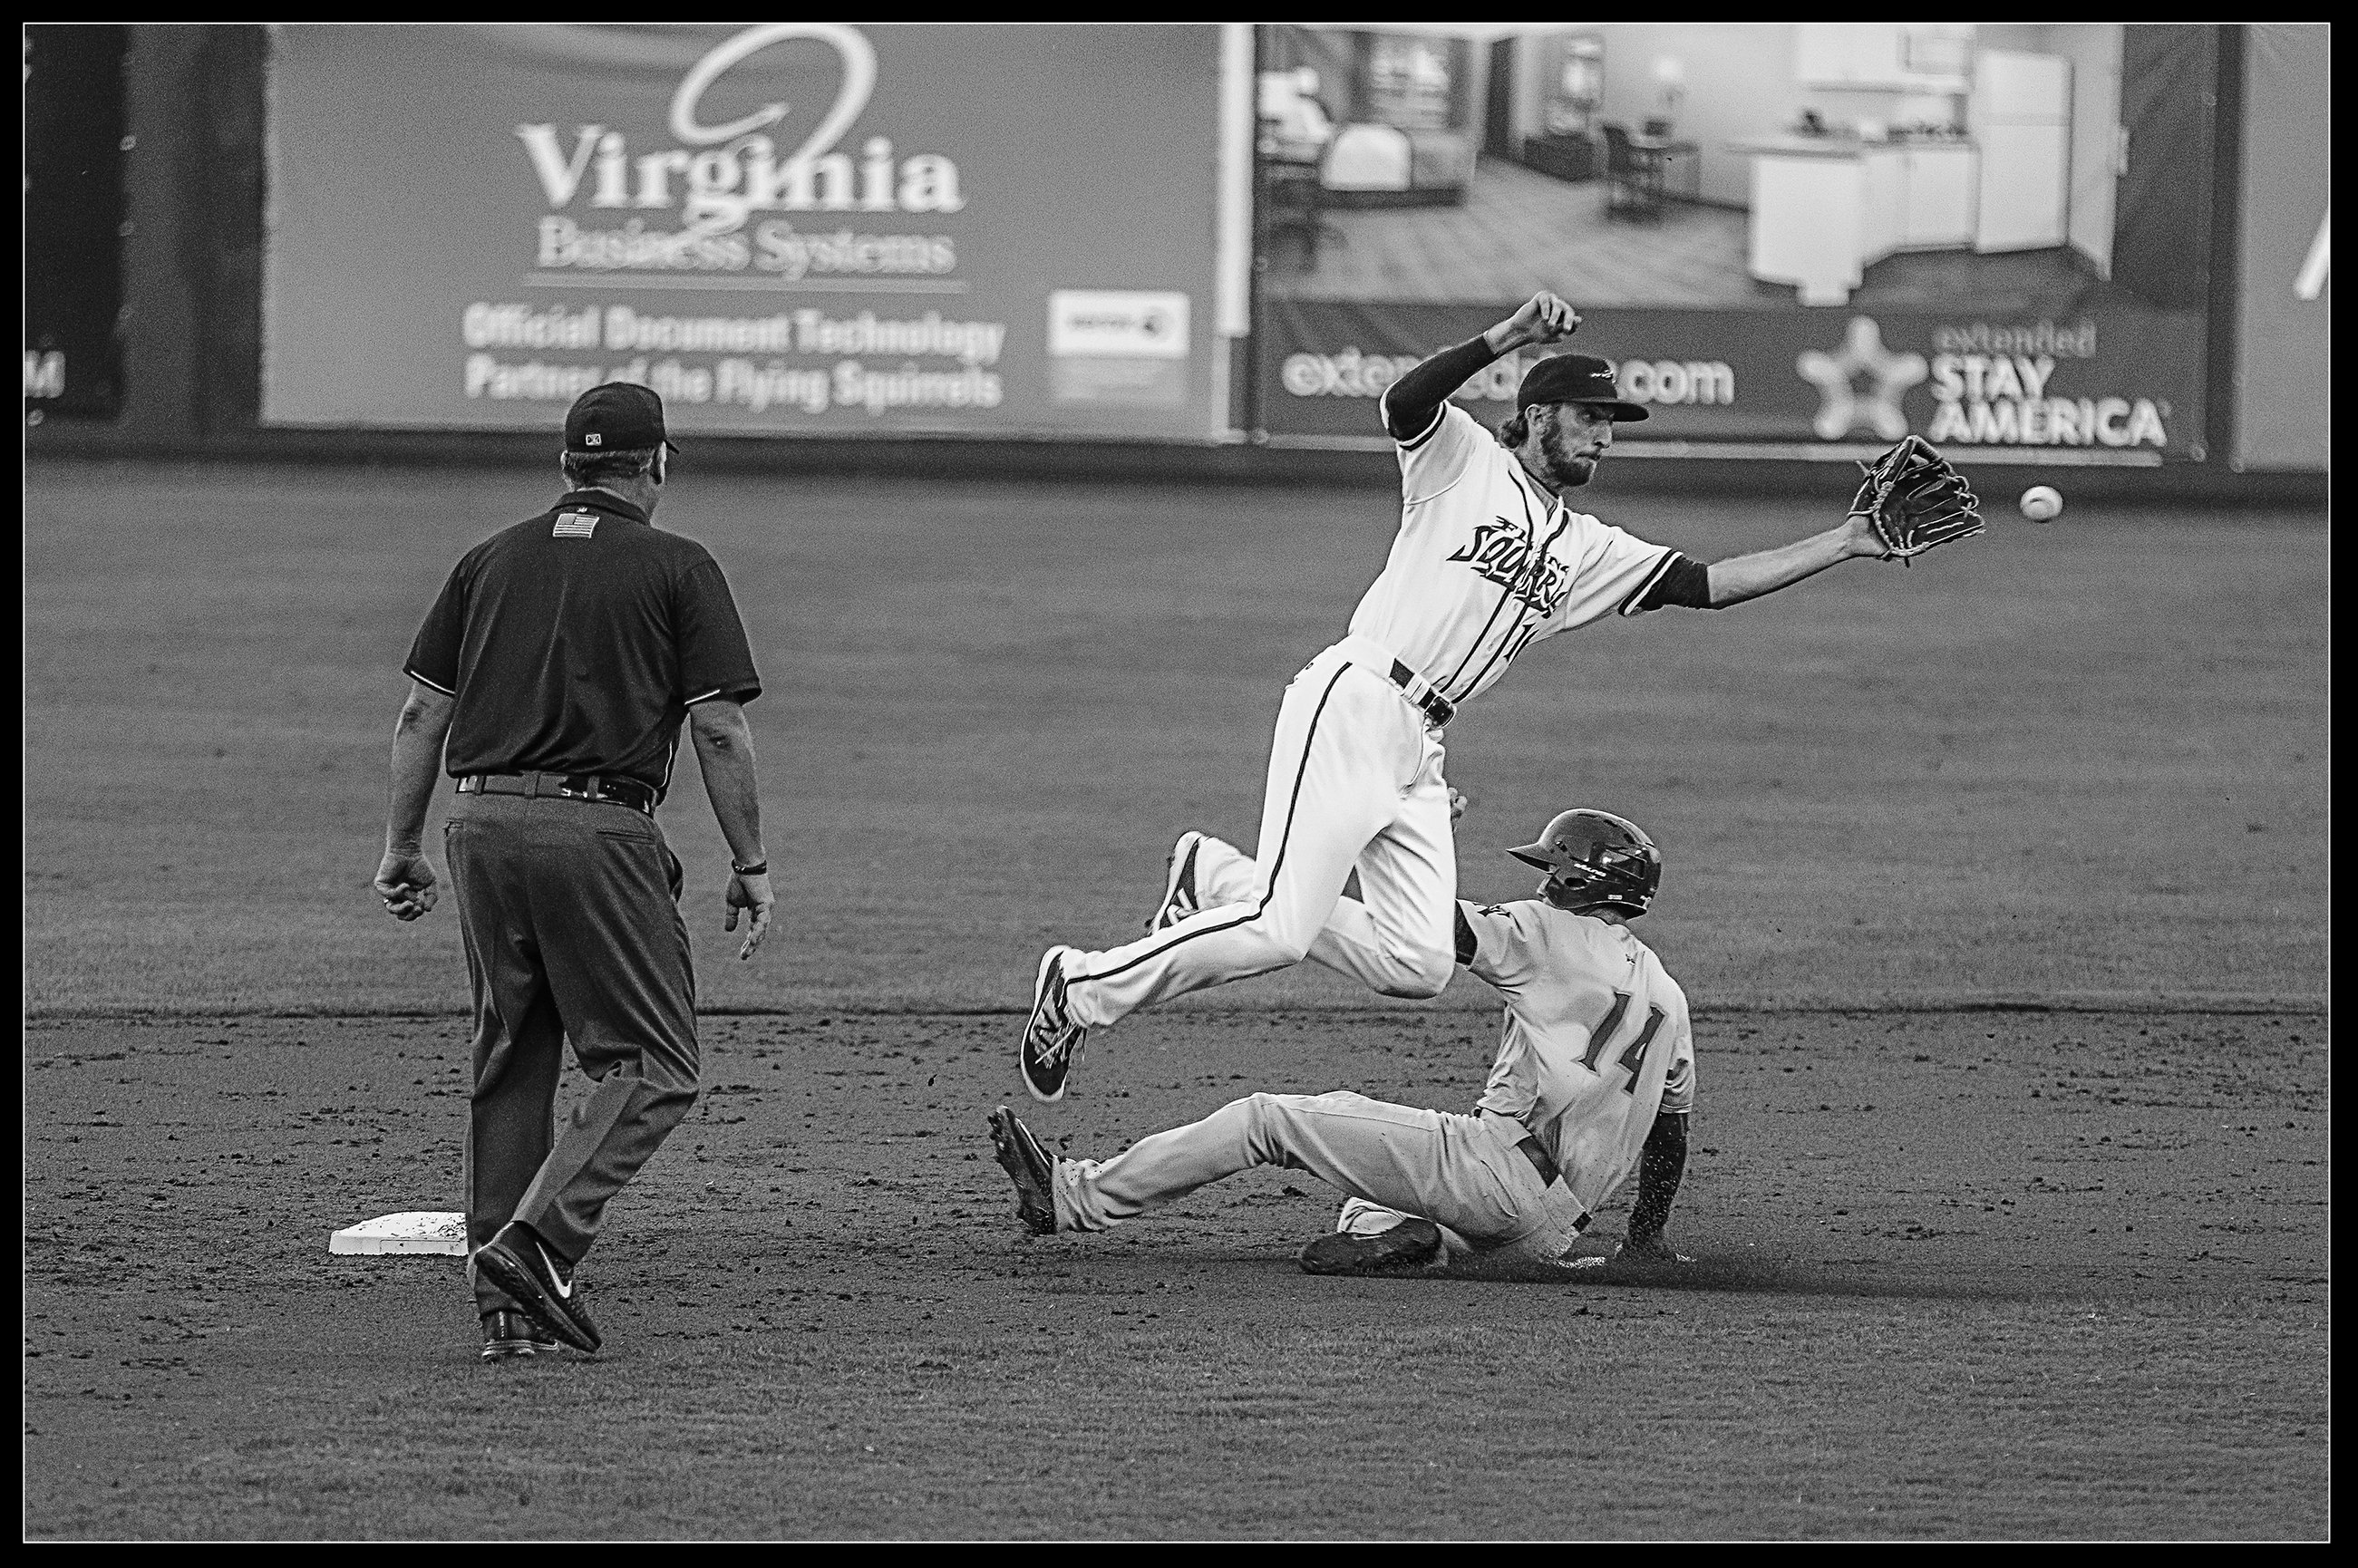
{"x":2040,"y":502}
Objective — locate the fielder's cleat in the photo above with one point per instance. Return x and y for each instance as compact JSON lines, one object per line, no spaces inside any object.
{"x":1030,"y":1168}
{"x":1411,"y":1245}
{"x":1052,"y":1041}
{"x":1179,"y":900}
{"x":510,"y":1335}
{"x":540,"y":1282}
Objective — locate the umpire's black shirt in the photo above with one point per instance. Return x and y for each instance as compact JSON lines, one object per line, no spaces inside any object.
{"x":576,"y":642}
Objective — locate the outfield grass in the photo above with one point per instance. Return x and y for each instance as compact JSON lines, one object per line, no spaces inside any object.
{"x":2079,"y":761}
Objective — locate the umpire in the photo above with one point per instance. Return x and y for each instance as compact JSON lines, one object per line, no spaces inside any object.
{"x":558,"y":665}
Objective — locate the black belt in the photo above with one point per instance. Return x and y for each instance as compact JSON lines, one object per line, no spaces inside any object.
{"x":1419,"y":691}
{"x":1538,"y":1155}
{"x":599,"y":788}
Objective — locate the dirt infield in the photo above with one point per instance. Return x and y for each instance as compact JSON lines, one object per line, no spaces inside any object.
{"x":1999,"y":884}
{"x":1993,"y":1274}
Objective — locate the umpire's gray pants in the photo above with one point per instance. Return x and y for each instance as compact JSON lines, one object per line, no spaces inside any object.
{"x":570,"y":914}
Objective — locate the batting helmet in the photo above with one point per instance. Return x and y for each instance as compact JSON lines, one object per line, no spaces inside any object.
{"x":1593,"y":857}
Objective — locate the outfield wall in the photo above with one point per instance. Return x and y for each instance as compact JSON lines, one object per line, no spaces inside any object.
{"x":187,"y":377}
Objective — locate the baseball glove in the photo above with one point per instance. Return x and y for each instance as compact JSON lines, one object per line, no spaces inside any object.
{"x":1915,"y":500}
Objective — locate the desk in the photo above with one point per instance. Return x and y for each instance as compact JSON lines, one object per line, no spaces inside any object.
{"x":1573,"y":160}
{"x":1663,"y":154}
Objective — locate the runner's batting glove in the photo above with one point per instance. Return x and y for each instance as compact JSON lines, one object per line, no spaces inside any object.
{"x":1653,"y":1250}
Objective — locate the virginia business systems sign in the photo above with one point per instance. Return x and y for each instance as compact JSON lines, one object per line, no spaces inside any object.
{"x":2105,"y":389}
{"x":719,"y":176}
{"x":793,"y":228}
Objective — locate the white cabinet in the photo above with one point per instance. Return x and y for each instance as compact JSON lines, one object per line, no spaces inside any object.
{"x":1921,"y":57}
{"x":1938,"y":207}
{"x":1882,"y":202}
{"x":1873,"y":55}
{"x":1806,"y":224}
{"x":1915,"y":198}
{"x":1817,"y":60}
{"x":1844,"y":54}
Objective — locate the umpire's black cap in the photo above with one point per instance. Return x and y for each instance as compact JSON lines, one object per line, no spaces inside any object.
{"x":619,"y":417}
{"x":1576,"y":378}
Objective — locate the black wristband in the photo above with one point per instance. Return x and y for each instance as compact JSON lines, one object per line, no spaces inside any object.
{"x":761,"y":870}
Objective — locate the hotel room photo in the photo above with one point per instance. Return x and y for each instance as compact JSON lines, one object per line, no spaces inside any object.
{"x":2029,"y":169}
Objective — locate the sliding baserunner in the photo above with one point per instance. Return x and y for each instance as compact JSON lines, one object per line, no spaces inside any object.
{"x":1488,"y":560}
{"x":1594,"y":1076}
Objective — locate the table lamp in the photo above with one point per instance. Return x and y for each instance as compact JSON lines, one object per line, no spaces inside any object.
{"x":1670,"y":75}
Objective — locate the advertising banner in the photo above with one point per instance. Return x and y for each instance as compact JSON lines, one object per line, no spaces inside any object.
{"x":791,"y":229}
{"x":1808,"y":238}
{"x":2287,"y":285}
{"x":2118,"y":388}
{"x":74,"y":143}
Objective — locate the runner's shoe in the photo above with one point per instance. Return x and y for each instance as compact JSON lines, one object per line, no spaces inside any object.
{"x":1408,"y":1246}
{"x":1030,"y":1168}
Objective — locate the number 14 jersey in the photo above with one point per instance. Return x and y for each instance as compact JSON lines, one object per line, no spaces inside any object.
{"x":1596,"y":1039}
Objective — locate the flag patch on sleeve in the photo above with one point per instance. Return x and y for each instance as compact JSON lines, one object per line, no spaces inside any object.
{"x":573,"y":525}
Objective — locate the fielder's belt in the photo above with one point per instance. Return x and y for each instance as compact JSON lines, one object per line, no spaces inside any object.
{"x":1419,"y":690}
{"x":1370,"y":654}
{"x":600,"y":787}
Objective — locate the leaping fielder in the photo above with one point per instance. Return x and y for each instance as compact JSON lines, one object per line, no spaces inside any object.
{"x":1594,"y":1076}
{"x":1488,"y":560}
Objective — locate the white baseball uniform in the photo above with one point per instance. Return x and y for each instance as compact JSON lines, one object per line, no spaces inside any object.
{"x":1596,"y":1042}
{"x":1485,"y":564}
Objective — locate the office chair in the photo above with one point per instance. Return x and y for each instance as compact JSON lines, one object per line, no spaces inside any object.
{"x":1633,"y":175}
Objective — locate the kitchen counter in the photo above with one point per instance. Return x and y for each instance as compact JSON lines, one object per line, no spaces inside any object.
{"x":1826,"y":208}
{"x":1841,"y":147}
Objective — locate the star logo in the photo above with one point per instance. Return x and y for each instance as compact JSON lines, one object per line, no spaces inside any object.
{"x":1844,"y":409}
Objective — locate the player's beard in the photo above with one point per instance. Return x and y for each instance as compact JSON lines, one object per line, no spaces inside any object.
{"x":1569,"y":468}
{"x":1566,"y":464}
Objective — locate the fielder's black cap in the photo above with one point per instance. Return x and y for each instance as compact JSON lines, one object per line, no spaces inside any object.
{"x":620,"y":416}
{"x":1574,"y":378}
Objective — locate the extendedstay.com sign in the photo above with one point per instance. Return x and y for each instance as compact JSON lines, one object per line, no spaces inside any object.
{"x":2110,"y":387}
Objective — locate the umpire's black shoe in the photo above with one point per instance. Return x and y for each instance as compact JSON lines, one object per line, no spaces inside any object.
{"x":509,"y":1335}
{"x":542,"y":1284}
{"x":1051,"y":1038}
{"x":1030,"y":1168}
{"x":1411,"y":1245}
